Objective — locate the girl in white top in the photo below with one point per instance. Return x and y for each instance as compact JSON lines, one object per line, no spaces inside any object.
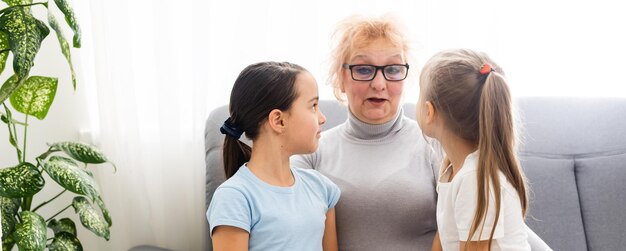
{"x":465,"y":104}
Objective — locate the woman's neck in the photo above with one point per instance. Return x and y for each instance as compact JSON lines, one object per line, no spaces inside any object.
{"x":270,"y":162}
{"x":363,"y":130}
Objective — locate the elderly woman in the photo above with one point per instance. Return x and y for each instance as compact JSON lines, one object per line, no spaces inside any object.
{"x":378,"y":157}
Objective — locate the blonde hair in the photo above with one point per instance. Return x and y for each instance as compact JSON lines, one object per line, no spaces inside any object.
{"x":477,"y":107}
{"x":356,"y":32}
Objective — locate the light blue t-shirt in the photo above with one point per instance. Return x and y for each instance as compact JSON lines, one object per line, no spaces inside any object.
{"x":277,"y":218}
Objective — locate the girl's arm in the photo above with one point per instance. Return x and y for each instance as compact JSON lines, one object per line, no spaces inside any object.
{"x":475,"y":245}
{"x":227,"y":238}
{"x":437,"y":243}
{"x":329,"y":242}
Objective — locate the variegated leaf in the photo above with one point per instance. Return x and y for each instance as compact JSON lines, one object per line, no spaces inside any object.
{"x":67,"y":174}
{"x":25,"y":36}
{"x":17,"y":2}
{"x":21,"y":181}
{"x":7,"y":243}
{"x":65,"y":47}
{"x":30,"y":234}
{"x":63,"y":225}
{"x":65,"y":242}
{"x":70,"y":18}
{"x":81,"y":152}
{"x":8,"y":208}
{"x":4,"y":49}
{"x":35,"y":96}
{"x":8,"y":87}
{"x":89,"y":217}
{"x":105,"y":211}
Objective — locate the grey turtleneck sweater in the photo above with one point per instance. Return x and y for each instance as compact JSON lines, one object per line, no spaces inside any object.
{"x":387,"y":176}
{"x":388,"y":199}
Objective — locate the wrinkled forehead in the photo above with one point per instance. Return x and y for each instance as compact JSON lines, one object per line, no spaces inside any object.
{"x":379,"y":49}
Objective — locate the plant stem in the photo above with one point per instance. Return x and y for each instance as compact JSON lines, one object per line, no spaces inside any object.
{"x":43,"y":156}
{"x":11,"y":124}
{"x":22,"y":5}
{"x":58,"y":213}
{"x":53,"y":198}
{"x":26,"y":203}
{"x":25,"y":129}
{"x":5,"y":50}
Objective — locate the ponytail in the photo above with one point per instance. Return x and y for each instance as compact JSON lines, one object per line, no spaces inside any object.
{"x":235,"y":154}
{"x":496,"y":150}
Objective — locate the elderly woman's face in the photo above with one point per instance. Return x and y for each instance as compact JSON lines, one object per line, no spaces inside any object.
{"x":375,"y":101}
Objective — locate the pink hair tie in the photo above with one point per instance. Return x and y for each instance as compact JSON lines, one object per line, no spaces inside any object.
{"x":486,"y":69}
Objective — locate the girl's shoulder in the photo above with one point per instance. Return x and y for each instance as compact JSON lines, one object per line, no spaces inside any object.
{"x":311,"y":176}
{"x":308,"y":174}
{"x":240,"y":181}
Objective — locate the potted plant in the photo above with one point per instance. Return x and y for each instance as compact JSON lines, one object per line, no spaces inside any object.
{"x":21,"y":35}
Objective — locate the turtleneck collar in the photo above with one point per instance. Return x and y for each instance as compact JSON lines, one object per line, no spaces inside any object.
{"x":366,"y":131}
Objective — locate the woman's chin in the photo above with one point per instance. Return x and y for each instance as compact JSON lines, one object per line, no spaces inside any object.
{"x":378,"y":117}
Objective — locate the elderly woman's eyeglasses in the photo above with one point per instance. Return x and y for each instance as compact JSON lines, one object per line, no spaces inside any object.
{"x":366,"y":72}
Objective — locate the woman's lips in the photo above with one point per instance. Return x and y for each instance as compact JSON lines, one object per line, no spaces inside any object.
{"x":376,"y":100}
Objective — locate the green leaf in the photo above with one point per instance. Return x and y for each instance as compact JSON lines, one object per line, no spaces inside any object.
{"x":8,"y":208}
{"x":70,"y":19}
{"x":31,"y":233}
{"x":23,"y":180}
{"x":63,"y":225}
{"x":17,"y":2}
{"x":7,"y":243}
{"x":65,"y":47}
{"x":90,"y":218}
{"x":65,"y":242}
{"x":67,"y":174}
{"x":4,"y":49}
{"x":35,"y":96}
{"x":81,"y":152}
{"x":25,"y":36}
{"x":8,"y":87}
{"x":105,"y":212}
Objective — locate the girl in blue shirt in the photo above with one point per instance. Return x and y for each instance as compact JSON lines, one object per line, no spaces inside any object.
{"x":266,"y":204}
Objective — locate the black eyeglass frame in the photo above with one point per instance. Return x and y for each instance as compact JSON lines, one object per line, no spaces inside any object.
{"x":381,"y":68}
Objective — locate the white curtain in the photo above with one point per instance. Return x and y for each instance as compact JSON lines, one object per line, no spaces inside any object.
{"x":160,"y":67}
{"x":151,"y":106}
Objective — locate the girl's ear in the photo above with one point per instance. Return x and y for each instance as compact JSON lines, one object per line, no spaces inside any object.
{"x":429,"y":117}
{"x":276,"y":120}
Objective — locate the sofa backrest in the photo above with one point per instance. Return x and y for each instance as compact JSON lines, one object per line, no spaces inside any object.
{"x":572,"y":150}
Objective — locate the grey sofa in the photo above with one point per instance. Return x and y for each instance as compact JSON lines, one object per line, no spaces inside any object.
{"x":573,"y":152}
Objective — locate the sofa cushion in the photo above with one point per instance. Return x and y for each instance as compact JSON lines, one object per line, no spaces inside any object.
{"x":554,"y":212}
{"x":603,"y":201}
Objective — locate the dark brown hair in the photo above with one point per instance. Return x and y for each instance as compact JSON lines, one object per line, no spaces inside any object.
{"x":477,"y":107}
{"x":259,"y":89}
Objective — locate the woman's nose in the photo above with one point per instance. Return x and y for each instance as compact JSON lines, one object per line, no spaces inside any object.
{"x":379,"y":82}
